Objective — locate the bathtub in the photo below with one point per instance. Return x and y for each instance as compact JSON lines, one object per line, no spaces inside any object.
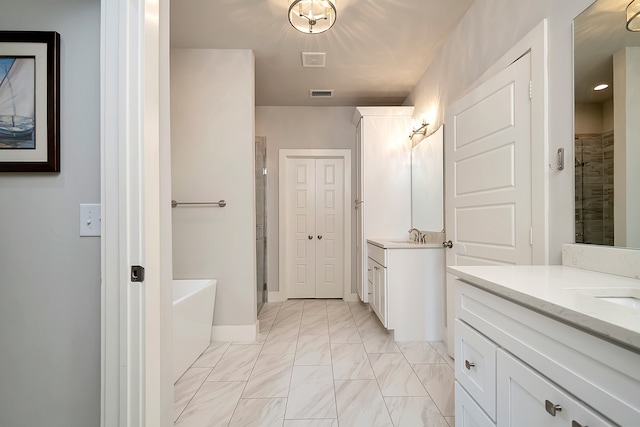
{"x":193,"y":303}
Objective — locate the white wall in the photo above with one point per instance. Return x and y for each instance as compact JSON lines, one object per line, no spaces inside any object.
{"x":589,"y":118}
{"x":49,"y":276}
{"x":301,"y":127}
{"x":212,"y":156}
{"x":488,"y":30}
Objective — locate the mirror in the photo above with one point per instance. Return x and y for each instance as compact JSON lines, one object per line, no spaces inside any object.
{"x":607,"y":129}
{"x":427,"y":183}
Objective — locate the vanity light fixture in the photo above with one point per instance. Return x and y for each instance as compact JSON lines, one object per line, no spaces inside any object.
{"x":601,"y":86}
{"x":633,"y":16}
{"x":312,"y":16}
{"x":422,"y":130}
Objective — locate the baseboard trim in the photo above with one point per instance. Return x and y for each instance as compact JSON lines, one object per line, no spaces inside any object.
{"x":276,"y":296}
{"x":234,"y":332}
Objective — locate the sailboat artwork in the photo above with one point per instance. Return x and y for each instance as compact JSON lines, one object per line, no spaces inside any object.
{"x":17,"y":102}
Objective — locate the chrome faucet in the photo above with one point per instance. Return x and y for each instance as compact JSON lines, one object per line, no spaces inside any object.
{"x":418,"y":235}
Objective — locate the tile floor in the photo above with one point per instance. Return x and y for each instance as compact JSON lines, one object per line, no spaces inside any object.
{"x":318,"y":363}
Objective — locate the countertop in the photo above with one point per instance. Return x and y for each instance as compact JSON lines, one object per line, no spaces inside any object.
{"x":566,"y":293}
{"x":403,"y":244}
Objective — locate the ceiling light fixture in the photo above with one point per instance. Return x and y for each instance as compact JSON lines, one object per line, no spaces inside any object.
{"x":602,"y":86}
{"x":312,"y":16}
{"x":633,"y":16}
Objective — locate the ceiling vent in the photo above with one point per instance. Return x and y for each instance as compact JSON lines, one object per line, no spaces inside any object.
{"x":324,"y":93}
{"x":313,"y":59}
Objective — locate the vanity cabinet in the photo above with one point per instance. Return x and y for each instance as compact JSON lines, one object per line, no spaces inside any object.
{"x":383,"y":180}
{"x":517,"y":367}
{"x":406,"y":289}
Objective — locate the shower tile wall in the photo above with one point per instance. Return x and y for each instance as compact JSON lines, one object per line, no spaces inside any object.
{"x":594,"y":188}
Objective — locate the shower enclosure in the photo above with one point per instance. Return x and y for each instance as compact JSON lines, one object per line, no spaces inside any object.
{"x":594,"y":188}
{"x":261,"y":219}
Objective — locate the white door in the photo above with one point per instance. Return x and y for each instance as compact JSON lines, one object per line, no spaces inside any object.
{"x":488,"y":175}
{"x":314,"y":234}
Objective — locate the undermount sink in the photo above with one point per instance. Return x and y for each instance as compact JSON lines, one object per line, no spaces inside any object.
{"x":627,"y":297}
{"x":632,"y":302}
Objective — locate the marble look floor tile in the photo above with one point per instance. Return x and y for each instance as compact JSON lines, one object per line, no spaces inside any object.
{"x":339,"y":316}
{"x":259,"y":413}
{"x":360,"y":404}
{"x":314,"y":325}
{"x":414,"y":411}
{"x":311,"y":394}
{"x":281,"y":341}
{"x":186,"y":387}
{"x":379,"y":342}
{"x":441,"y":348}
{"x":395,"y":376}
{"x":211,"y":356}
{"x":314,"y":307}
{"x":313,"y":350}
{"x":438,"y":380}
{"x":344,"y":333}
{"x":419,"y":352}
{"x":236,"y":363}
{"x":311,"y":423}
{"x":212,"y":406}
{"x":270,"y":377}
{"x":350,"y":362}
{"x":287,"y":317}
{"x":292,"y":304}
{"x":451,"y":421}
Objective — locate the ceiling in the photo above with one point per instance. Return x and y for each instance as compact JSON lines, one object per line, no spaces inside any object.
{"x":375,"y":53}
{"x":599,"y":32}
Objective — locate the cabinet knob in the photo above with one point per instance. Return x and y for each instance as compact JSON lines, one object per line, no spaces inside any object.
{"x":447,"y":244}
{"x":319,"y":237}
{"x":574,"y":423}
{"x":468,"y":364}
{"x":552,"y":408}
{"x":310,"y":237}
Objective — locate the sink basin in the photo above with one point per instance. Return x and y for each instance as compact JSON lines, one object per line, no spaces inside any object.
{"x":632,"y":302}
{"x":628,"y":297}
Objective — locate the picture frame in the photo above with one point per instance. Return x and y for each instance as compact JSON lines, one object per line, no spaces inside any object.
{"x":29,"y":101}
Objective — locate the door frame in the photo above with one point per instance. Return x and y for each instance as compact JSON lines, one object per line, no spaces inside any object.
{"x":283,"y":156}
{"x":136,"y":334}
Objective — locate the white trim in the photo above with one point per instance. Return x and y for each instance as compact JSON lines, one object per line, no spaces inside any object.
{"x":352,"y":298}
{"x":235,"y":332}
{"x":276,"y":296}
{"x":285,"y":154}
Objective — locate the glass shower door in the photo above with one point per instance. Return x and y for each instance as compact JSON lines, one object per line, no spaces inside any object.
{"x":261,"y":219}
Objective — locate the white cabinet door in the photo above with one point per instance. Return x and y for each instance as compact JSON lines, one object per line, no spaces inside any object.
{"x":468,"y":413}
{"x":380,"y":285}
{"x":371,"y":289}
{"x":526,"y":399}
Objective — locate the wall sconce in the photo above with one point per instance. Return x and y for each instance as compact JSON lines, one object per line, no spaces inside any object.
{"x":422,"y":130}
{"x":633,"y":16}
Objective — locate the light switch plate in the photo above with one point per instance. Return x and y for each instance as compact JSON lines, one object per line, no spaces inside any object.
{"x":90,"y":220}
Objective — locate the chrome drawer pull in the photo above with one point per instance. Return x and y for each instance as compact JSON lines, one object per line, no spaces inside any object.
{"x":468,"y":364}
{"x":574,"y":423}
{"x":552,"y":408}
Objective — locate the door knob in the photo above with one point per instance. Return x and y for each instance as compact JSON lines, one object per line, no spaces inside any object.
{"x":319,"y":237}
{"x":310,"y":237}
{"x":447,"y":244}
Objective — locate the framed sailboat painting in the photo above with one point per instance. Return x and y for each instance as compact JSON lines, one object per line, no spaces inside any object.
{"x":29,"y":101}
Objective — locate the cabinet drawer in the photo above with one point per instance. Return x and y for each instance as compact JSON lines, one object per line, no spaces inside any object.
{"x":475,"y":366}
{"x":468,"y":413}
{"x":377,"y":254}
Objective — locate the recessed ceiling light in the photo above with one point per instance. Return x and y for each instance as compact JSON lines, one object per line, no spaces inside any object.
{"x":602,"y":86}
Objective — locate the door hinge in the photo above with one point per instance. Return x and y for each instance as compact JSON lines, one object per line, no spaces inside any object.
{"x":531,"y":236}
{"x":530,"y":89}
{"x":137,"y":273}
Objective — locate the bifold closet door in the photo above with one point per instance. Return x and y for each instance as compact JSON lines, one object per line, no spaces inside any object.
{"x":315,"y":228}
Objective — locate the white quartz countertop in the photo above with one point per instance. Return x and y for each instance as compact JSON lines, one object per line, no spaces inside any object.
{"x":570,"y":294}
{"x":403,"y":244}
